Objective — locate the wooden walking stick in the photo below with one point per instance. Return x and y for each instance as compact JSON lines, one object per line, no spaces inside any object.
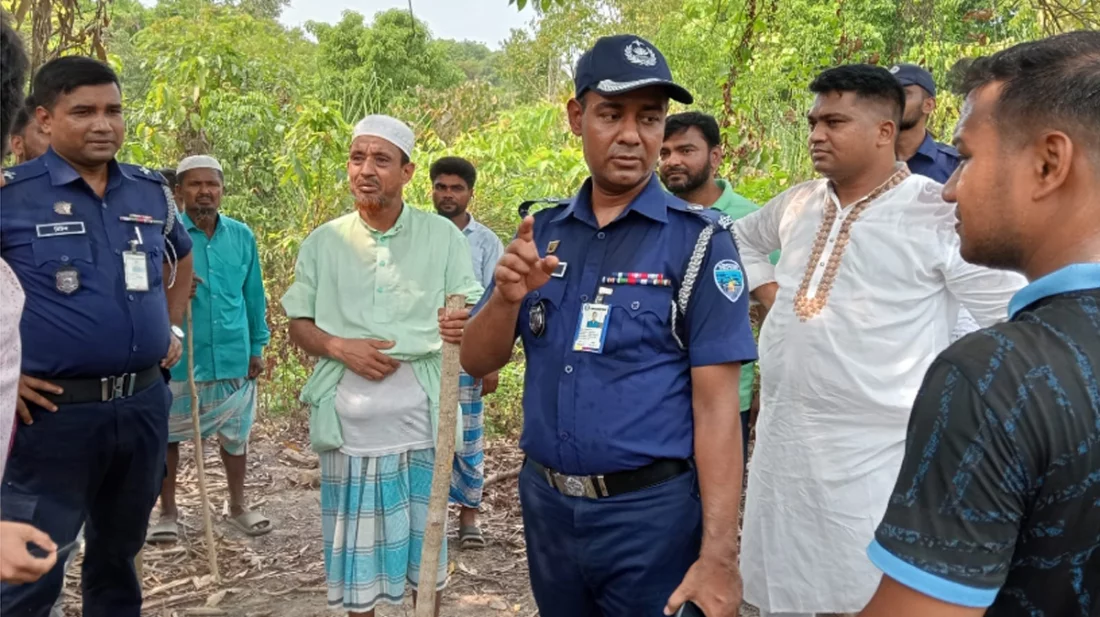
{"x":441,"y":474}
{"x":211,"y":550}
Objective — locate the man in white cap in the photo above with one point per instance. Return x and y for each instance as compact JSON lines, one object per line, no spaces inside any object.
{"x":230,"y":332}
{"x":367,"y":299}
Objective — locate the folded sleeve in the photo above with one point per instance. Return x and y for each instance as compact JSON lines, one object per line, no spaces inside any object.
{"x":758,"y":239}
{"x":460,"y":277}
{"x":300,"y":299}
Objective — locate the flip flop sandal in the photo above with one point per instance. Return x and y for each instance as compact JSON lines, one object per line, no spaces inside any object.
{"x":470,"y":538}
{"x":163,"y":532}
{"x":252,"y":524}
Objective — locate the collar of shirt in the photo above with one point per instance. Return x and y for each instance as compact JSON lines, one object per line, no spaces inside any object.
{"x":732,"y":204}
{"x":62,"y":173}
{"x":398,"y":225}
{"x":473,"y":226}
{"x":927,"y":148}
{"x":1074,"y":277}
{"x":651,"y":203}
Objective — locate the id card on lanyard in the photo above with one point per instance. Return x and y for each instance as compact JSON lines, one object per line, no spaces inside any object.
{"x":136,"y":266}
{"x":592,"y":326}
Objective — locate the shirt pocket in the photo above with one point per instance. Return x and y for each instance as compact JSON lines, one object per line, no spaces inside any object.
{"x":545,"y":304}
{"x":641,"y":322}
{"x":62,"y":249}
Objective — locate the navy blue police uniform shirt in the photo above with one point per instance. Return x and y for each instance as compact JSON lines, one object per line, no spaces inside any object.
{"x":588,"y":413}
{"x":52,"y":222}
{"x":997,"y":503}
{"x":934,"y":160}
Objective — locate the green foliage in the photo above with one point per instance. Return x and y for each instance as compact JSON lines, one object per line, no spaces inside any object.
{"x":225,"y":78}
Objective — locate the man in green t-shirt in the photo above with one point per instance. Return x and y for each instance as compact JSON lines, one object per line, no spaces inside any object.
{"x":690,"y":155}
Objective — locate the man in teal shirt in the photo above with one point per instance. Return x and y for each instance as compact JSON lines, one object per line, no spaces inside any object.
{"x":690,"y":155}
{"x":230,"y":332}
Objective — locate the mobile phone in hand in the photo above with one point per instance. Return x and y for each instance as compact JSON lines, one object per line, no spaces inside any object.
{"x":689,"y":609}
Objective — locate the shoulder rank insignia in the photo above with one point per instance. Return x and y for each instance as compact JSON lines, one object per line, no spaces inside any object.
{"x":9,"y":175}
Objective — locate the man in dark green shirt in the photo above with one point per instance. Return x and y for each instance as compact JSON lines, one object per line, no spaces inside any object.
{"x":690,"y":155}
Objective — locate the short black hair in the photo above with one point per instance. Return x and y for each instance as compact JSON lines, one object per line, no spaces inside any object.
{"x":63,"y":75}
{"x":13,"y":76}
{"x":22,"y":119}
{"x":1049,"y":83}
{"x":169,"y":176}
{"x":454,"y":166}
{"x":707,"y":125}
{"x":869,"y":82}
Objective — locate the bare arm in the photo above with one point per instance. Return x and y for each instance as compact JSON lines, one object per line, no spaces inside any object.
{"x":892,"y":599}
{"x":179,"y":295}
{"x":313,"y":340}
{"x":717,"y":425}
{"x":765,"y":295}
{"x":490,"y":336}
{"x":714,"y":581}
{"x":361,"y":356}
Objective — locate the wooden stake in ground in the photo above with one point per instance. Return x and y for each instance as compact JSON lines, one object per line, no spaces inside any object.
{"x":208,"y":525}
{"x":441,"y":475}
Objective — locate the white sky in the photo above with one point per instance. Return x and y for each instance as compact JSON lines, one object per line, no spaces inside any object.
{"x":486,"y":21}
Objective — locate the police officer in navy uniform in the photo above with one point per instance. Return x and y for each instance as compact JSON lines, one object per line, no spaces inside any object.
{"x":632,"y":483}
{"x":924,"y":155}
{"x":88,"y":238}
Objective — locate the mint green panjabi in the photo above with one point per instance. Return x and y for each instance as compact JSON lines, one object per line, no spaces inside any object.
{"x":357,"y":282}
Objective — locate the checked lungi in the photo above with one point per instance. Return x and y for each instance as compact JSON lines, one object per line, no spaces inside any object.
{"x":468,"y":471}
{"x":373,"y":514}
{"x":226,"y":406}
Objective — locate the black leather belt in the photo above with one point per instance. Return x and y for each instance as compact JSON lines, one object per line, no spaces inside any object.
{"x":609,"y":485}
{"x":103,"y":389}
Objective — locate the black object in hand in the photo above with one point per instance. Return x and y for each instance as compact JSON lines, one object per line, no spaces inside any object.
{"x":689,"y":609}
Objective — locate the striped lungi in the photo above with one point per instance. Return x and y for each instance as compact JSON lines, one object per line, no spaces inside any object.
{"x":468,"y":471}
{"x":226,"y":406}
{"x":373,"y":514}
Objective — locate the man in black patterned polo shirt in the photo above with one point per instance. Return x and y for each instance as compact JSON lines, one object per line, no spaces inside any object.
{"x":996,"y":510}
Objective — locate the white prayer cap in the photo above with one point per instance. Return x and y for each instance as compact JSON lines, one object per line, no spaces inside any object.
{"x":391,"y":129}
{"x":199,"y":161}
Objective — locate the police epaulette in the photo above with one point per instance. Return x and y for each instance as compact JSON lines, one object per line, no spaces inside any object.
{"x":141,"y":171}
{"x":26,"y":171}
{"x":525,"y":207}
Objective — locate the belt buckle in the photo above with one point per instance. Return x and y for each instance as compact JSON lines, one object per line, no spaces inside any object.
{"x":576,"y":486}
{"x":112,"y":388}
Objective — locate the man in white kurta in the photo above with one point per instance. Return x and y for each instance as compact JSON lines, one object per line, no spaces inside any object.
{"x":867,"y":290}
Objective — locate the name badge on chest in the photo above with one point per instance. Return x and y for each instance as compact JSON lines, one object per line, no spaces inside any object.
{"x":50,"y":230}
{"x":136,"y":268}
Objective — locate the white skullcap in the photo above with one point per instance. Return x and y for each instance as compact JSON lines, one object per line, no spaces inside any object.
{"x":391,"y":129}
{"x":199,"y":161}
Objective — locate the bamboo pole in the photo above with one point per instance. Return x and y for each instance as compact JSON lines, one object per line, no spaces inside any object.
{"x":211,"y":549}
{"x":435,"y":531}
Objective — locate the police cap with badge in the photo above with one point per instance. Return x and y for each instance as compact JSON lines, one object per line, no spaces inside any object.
{"x":911,"y":74}
{"x":614,"y":66}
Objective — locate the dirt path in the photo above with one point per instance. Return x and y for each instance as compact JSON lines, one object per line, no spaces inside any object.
{"x":282,"y":574}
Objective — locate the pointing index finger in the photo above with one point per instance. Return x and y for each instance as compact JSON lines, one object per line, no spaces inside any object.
{"x":527,"y":229}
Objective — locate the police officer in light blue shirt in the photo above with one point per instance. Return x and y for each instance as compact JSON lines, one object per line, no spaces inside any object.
{"x":95,"y":246}
{"x":632,"y":310}
{"x":924,"y":155}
